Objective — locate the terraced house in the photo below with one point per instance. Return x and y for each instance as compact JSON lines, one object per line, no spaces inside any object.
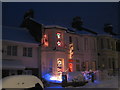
{"x":61,"y":50}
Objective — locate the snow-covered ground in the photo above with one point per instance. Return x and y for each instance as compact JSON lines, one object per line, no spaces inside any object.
{"x":112,"y":82}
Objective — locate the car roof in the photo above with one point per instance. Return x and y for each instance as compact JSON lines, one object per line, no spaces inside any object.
{"x":21,"y":81}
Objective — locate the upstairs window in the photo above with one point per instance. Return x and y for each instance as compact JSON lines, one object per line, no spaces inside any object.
{"x":27,"y":52}
{"x":70,"y":39}
{"x":12,"y":50}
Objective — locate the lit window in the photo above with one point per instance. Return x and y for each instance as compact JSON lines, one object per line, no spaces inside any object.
{"x":58,"y":35}
{"x":59,"y":43}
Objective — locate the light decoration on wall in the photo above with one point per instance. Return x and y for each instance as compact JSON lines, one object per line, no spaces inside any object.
{"x":70,"y":67}
{"x":59,"y":43}
{"x":45,"y":40}
{"x":71,"y":57}
{"x":59,"y":65}
{"x":71,"y":51}
{"x":58,"y":35}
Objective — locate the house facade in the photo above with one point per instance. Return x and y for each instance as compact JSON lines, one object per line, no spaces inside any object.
{"x":107,"y":53}
{"x":61,"y":50}
{"x":19,"y":52}
{"x":68,"y":51}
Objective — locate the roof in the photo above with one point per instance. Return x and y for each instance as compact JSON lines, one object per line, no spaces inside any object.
{"x":55,"y":26}
{"x":17,"y":34}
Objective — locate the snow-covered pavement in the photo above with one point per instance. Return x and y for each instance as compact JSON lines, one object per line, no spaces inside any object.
{"x":110,"y":83}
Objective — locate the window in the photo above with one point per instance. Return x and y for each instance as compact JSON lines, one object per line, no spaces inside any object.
{"x":85,"y":43}
{"x":12,"y":50}
{"x":77,"y":67}
{"x":102,"y":44}
{"x":112,"y":45}
{"x":108,"y":43}
{"x":93,"y":65}
{"x":110,"y":63}
{"x":27,"y":52}
{"x":77,"y":61}
{"x":9,"y":50}
{"x":94,"y":45}
{"x":70,"y":39}
{"x":77,"y":47}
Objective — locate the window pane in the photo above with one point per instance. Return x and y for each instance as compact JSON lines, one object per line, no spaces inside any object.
{"x":102,"y":44}
{"x":14,"y":50}
{"x":8,"y":50}
{"x":70,"y":39}
{"x":77,"y":67}
{"x":85,"y":43}
{"x":24,"y":51}
{"x":77,"y":61}
{"x":29,"y":52}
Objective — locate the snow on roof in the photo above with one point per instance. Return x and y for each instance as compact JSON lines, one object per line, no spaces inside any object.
{"x":17,"y":34}
{"x":55,"y":26}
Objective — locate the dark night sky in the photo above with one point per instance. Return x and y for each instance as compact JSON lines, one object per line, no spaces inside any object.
{"x":94,"y":14}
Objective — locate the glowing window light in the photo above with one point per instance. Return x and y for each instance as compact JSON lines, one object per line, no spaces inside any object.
{"x":59,"y":43}
{"x":58,"y":35}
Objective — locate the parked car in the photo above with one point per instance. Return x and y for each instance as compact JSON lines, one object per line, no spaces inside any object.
{"x":22,"y":82}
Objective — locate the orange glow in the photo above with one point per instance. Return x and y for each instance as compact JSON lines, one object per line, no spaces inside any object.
{"x":45,"y":40}
{"x":70,"y":60}
{"x":70,"y":67}
{"x":71,"y":51}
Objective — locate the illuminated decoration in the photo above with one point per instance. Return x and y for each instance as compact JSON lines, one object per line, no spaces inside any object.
{"x":70,"y":57}
{"x":59,"y":43}
{"x":58,"y":35}
{"x":71,"y":51}
{"x":70,"y":60}
{"x":60,"y":65}
{"x":45,"y":40}
{"x":70,"y":67}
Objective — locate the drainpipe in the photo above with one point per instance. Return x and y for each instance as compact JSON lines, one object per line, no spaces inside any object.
{"x":39,"y":62}
{"x":39,"y":56}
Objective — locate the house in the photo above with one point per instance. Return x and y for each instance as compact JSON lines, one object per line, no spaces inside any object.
{"x":60,"y":50}
{"x":19,"y":52}
{"x":107,"y":54}
{"x":68,"y":51}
